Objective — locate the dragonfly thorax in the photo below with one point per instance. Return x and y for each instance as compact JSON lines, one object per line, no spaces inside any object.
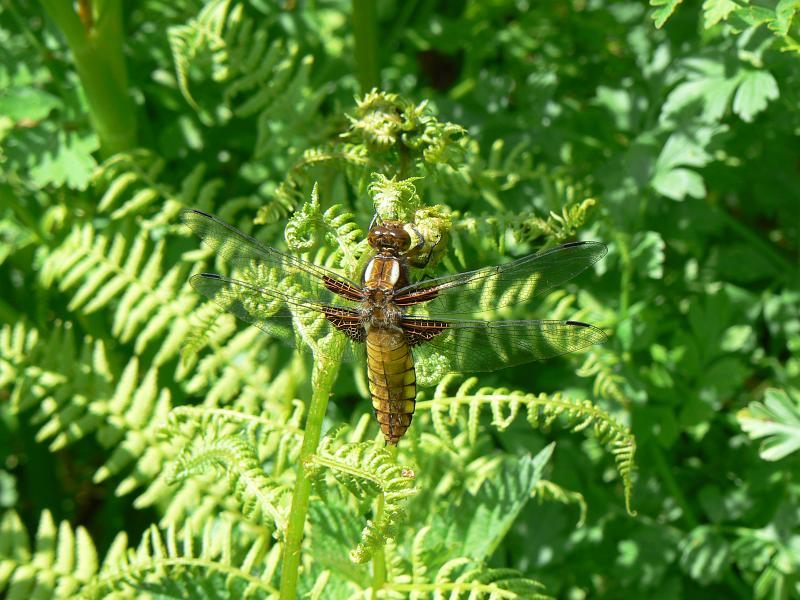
{"x":382,"y":276}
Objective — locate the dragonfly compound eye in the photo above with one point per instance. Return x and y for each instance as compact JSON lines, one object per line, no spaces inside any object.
{"x":390,"y":235}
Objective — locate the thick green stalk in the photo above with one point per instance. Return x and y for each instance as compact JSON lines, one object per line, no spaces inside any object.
{"x":365,"y":32}
{"x":96,"y":45}
{"x":322,"y":380}
{"x":379,"y":556}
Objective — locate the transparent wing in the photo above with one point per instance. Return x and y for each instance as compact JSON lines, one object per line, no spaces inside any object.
{"x":281,"y":294}
{"x":299,"y":323}
{"x":244,"y":255}
{"x":494,"y":287}
{"x":485,"y":345}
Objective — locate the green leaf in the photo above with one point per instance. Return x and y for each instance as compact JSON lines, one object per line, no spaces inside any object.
{"x":704,"y":554}
{"x":70,"y":163}
{"x":712,"y":92}
{"x":715,"y":11}
{"x":481,"y":521}
{"x":754,"y":93}
{"x":681,"y":149}
{"x":647,"y":254}
{"x":784,"y":13}
{"x":776,"y":420}
{"x":26,"y":103}
{"x":663,"y":11}
{"x":679,"y":183}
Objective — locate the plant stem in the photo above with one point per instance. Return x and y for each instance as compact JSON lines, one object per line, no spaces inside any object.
{"x":378,"y":557}
{"x":365,"y":32}
{"x":322,"y":379}
{"x":96,"y":46}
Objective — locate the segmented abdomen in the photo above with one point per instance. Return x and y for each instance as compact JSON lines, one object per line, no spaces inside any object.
{"x":392,"y":381}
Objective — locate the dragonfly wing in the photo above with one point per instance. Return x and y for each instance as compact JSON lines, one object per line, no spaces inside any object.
{"x":494,"y":287}
{"x":245,"y":254}
{"x":486,"y":345}
{"x":300,"y":323}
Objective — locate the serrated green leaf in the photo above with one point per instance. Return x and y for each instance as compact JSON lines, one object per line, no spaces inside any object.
{"x":715,"y":11}
{"x":754,"y":93}
{"x":663,"y":11}
{"x":784,"y":14}
{"x":679,"y":183}
{"x":66,"y":161}
{"x":26,"y":103}
{"x":713,"y":93}
{"x":704,"y":554}
{"x":777,"y":420}
{"x":647,"y":253}
{"x":480,"y":523}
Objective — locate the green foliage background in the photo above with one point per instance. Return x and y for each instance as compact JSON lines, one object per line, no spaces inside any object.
{"x":131,"y":410}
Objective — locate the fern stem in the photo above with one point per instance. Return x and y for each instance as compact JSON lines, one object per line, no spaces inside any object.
{"x":322,"y":379}
{"x":379,"y":556}
{"x":365,"y":32}
{"x":96,"y":48}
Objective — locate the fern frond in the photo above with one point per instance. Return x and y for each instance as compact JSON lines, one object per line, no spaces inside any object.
{"x":547,"y":490}
{"x":220,"y":378}
{"x":273,"y":435}
{"x":150,"y":304}
{"x":216,"y":452}
{"x":352,"y":159}
{"x":608,"y":382}
{"x":541,"y":410}
{"x":252,"y":77}
{"x":39,"y":371}
{"x":366,"y":471}
{"x":170,"y":564}
{"x":462,"y":578}
{"x":472,"y":231}
{"x":210,"y":324}
{"x":61,"y":563}
{"x":336,"y":226}
{"x":186,"y":41}
{"x":132,"y":183}
{"x":76,"y":396}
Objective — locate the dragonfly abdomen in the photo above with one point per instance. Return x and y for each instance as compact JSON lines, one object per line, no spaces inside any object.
{"x":392,"y":381}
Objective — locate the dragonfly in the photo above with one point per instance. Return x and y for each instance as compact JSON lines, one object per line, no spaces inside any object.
{"x":396,"y":321}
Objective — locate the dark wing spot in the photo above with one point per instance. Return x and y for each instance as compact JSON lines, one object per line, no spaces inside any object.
{"x":578,"y":324}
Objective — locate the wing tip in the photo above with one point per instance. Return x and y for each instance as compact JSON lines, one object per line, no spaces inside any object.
{"x":578,"y":324}
{"x":186,"y":212}
{"x":600,"y":336}
{"x":603,"y":249}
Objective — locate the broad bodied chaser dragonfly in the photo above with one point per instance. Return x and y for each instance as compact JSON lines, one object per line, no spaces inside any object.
{"x":396,"y":320}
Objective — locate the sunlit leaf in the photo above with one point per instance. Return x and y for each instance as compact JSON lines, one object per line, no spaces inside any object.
{"x":775,"y":421}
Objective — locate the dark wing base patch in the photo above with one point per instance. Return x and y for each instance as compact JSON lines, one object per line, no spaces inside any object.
{"x":344,"y":289}
{"x":348,"y":322}
{"x":419,"y":331}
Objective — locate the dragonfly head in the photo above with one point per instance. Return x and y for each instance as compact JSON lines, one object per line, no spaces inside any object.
{"x":389,"y":237}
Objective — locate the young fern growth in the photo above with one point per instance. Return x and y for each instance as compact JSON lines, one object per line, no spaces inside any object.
{"x":385,"y":131}
{"x":464,"y":406}
{"x":365,"y":471}
{"x":461,"y":578}
{"x":230,"y":455}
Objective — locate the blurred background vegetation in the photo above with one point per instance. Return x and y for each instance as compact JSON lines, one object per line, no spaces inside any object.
{"x":670,"y":132}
